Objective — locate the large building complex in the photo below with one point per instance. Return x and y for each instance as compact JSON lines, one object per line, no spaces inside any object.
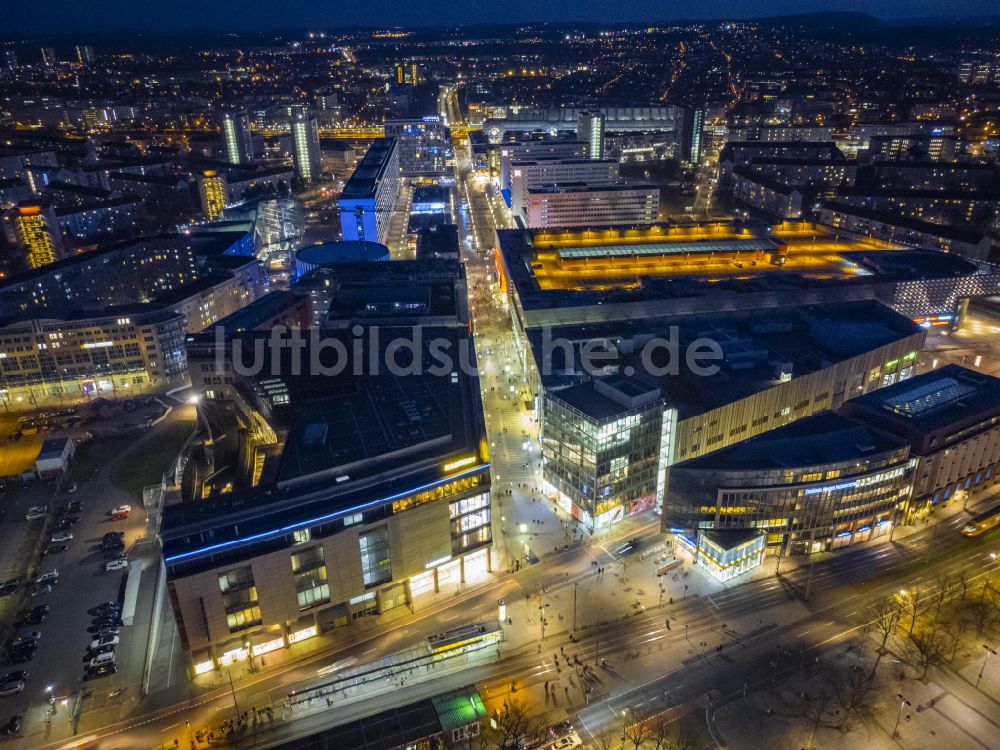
{"x":369,"y":196}
{"x":580,"y":204}
{"x":424,"y":145}
{"x":814,"y":485}
{"x":772,"y":367}
{"x":305,"y":147}
{"x":555,"y":277}
{"x":533,"y":173}
{"x":236,"y":134}
{"x":364,"y":489}
{"x":119,"y":351}
{"x":888,"y":457}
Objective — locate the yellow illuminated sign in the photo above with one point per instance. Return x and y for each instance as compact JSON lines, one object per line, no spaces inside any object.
{"x":467,"y":461}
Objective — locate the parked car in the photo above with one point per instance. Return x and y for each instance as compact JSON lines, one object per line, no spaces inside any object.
{"x":67,"y":523}
{"x":11,"y":688}
{"x":54,"y":549}
{"x":108,"y":621}
{"x":104,"y":640}
{"x":42,"y":589}
{"x":95,"y":652}
{"x":26,"y":636}
{"x":61,"y":536}
{"x":102,"y":659}
{"x":48,"y":576}
{"x":10,"y":586}
{"x":107,"y":608}
{"x":117,"y":564}
{"x":33,"y":616}
{"x":92,"y":673}
{"x":37,"y":511}
{"x":13,"y":725}
{"x":72,"y":488}
{"x":121,"y":512}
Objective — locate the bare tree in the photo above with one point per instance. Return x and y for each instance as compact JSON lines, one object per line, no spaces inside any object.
{"x":926,"y":647}
{"x":883,"y":614}
{"x":963,"y":582}
{"x":608,"y":738}
{"x":664,"y":736}
{"x":511,"y":726}
{"x":943,"y":585}
{"x":910,"y":602}
{"x":855,"y":694}
{"x":636,"y":728}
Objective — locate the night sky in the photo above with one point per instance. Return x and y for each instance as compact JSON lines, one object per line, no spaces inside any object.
{"x":24,"y":17}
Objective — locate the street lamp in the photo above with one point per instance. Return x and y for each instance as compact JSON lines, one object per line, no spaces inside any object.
{"x":989,"y":574}
{"x":902,"y":703}
{"x":985,"y":659}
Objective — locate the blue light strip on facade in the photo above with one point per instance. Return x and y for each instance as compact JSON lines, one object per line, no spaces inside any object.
{"x":320,"y":519}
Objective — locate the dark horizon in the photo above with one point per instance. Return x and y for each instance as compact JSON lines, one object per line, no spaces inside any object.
{"x":64,"y":18}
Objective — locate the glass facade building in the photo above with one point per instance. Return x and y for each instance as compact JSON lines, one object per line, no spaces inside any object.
{"x":818,"y":484}
{"x":605,"y":447}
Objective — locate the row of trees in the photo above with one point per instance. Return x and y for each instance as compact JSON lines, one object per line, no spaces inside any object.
{"x":929,"y":626}
{"x":514,"y":727}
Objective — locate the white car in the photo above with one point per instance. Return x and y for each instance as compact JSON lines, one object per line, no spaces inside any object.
{"x":37,"y":511}
{"x":11,"y":688}
{"x":118,"y":564}
{"x":61,"y":536}
{"x":107,"y":658}
{"x":104,"y":640}
{"x":121,"y":512}
{"x":50,"y":575}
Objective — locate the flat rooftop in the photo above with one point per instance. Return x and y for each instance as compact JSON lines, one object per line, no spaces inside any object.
{"x":946,"y":397}
{"x":350,"y":440}
{"x":399,"y":727}
{"x":559,"y":269}
{"x":802,"y":339}
{"x":370,"y":170}
{"x":813,"y":441}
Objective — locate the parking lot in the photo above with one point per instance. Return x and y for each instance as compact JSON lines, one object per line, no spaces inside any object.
{"x":57,"y":667}
{"x":55,"y":693}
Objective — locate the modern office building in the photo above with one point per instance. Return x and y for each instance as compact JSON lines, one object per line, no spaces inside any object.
{"x":49,"y":56}
{"x":117,"y":351}
{"x":369,"y":196}
{"x":950,"y":418}
{"x":236,"y":135}
{"x":605,"y":448}
{"x":9,"y":59}
{"x":532,"y":173}
{"x":36,"y":227}
{"x":590,"y":128}
{"x":374,"y":492}
{"x":529,"y":147}
{"x":424,"y":145}
{"x":305,"y":147}
{"x":818,"y":484}
{"x":653,"y":131}
{"x":579,"y":204}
